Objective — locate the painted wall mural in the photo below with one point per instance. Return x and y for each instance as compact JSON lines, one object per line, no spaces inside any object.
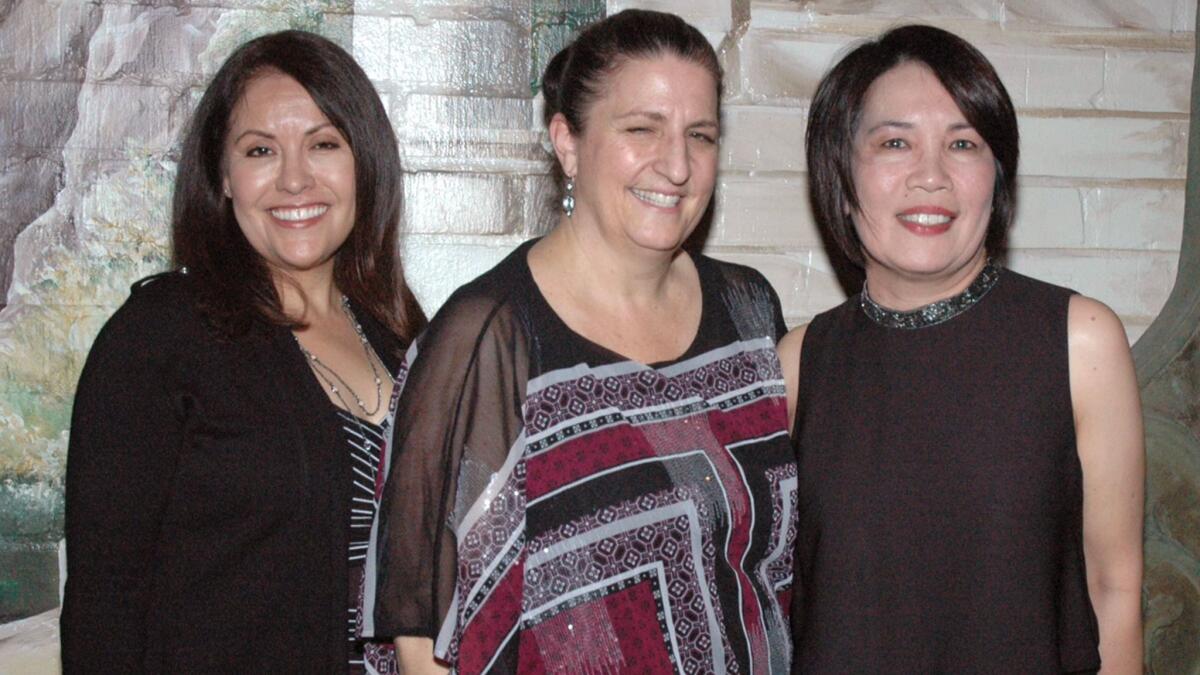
{"x":103,"y":105}
{"x":106,"y":227}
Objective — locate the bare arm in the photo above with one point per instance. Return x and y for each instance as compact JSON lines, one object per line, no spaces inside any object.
{"x":1108,"y":426}
{"x":415,"y":655}
{"x":789,"y":357}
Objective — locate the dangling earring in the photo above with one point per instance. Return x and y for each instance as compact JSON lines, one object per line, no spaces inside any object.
{"x":568,"y":202}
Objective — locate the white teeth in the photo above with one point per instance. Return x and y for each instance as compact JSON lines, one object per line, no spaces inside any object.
{"x":302,"y":213}
{"x":656,"y":198}
{"x":925,"y":218}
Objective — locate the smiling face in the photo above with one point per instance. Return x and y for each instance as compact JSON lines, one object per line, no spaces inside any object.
{"x":646,"y":161}
{"x":290,"y":176}
{"x":924,"y":179}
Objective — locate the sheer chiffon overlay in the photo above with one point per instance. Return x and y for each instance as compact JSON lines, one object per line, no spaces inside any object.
{"x":555,"y":507}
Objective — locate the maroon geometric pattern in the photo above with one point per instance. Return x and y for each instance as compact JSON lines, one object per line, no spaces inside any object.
{"x":575,"y":583}
{"x":777,"y":569}
{"x":687,"y":582}
{"x":647,"y":388}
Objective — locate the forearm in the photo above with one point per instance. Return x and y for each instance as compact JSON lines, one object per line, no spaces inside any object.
{"x":1119,"y":614}
{"x":415,"y":655}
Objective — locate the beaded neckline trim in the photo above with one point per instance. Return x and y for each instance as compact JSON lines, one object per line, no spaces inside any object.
{"x":933,"y":313}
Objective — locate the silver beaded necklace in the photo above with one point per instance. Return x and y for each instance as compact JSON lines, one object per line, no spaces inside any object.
{"x":330,"y":377}
{"x":936,"y":312}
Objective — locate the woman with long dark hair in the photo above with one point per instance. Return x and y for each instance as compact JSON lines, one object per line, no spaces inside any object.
{"x":229,"y":421}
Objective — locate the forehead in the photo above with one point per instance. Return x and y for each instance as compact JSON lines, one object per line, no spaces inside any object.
{"x":906,"y":92}
{"x":663,"y":79}
{"x":271,"y":97}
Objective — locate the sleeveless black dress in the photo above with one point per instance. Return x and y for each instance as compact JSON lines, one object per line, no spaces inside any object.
{"x":940,"y":489}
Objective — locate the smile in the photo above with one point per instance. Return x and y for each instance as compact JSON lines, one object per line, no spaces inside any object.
{"x":925,"y":219}
{"x":299,"y":213}
{"x":656,"y":198}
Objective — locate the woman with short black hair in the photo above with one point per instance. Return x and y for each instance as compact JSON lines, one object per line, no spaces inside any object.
{"x":969,"y":439}
{"x":229,"y":421}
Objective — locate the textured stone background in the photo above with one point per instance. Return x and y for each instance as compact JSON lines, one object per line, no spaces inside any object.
{"x":93,"y":95}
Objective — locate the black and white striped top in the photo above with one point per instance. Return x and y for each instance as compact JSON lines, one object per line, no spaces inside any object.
{"x":365,"y":440}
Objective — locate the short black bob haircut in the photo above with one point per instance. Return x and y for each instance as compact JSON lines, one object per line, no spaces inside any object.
{"x":575,"y":77}
{"x":837,"y":109}
{"x":236,"y":292}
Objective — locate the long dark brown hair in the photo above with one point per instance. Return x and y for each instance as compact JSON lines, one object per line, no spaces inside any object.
{"x":236,"y":290}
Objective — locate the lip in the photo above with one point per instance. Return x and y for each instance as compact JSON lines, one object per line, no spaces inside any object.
{"x":909,"y":219}
{"x":299,"y":215}
{"x":656,"y":199}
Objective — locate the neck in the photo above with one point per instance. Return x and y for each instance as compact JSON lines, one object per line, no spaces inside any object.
{"x":904,"y":292}
{"x":309,"y":296}
{"x":626,"y":274}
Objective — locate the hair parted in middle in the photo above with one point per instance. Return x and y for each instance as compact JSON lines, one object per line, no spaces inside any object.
{"x":837,"y":107}
{"x":575,"y":77}
{"x":236,"y":289}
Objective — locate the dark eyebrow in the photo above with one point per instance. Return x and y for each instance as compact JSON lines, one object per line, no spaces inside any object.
{"x":889,"y":124}
{"x":256,"y":132}
{"x":958,"y":126}
{"x":659,"y":117}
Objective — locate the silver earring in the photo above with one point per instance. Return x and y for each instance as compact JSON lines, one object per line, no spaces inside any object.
{"x":568,"y":202}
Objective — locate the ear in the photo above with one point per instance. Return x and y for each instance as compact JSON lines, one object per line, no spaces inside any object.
{"x":565,"y":144}
{"x":225,"y":186}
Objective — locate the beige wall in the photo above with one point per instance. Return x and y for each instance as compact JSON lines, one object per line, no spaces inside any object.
{"x":1101,"y":88}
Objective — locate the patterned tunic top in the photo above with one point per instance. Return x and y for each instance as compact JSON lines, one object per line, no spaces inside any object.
{"x":556,"y":507}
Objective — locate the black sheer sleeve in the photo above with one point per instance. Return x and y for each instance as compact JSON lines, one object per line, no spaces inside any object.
{"x":126,"y":432}
{"x":457,"y":420}
{"x":752,"y":303}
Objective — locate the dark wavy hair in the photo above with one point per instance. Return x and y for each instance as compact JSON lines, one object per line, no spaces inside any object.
{"x":236,"y":291}
{"x":837,"y":109}
{"x":576,"y":74}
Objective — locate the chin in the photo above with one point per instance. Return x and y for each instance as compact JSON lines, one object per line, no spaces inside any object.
{"x":660,"y":241}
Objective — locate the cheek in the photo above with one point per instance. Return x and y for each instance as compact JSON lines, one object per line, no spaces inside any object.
{"x":242,"y":183}
{"x":705,"y":170}
{"x":872,"y":185}
{"x":983,"y":190}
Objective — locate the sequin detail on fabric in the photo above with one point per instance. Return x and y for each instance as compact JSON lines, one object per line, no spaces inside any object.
{"x":933,"y":313}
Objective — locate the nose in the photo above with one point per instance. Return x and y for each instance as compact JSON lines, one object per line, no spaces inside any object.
{"x":674,"y":161}
{"x":295,"y":175}
{"x":929,"y":173}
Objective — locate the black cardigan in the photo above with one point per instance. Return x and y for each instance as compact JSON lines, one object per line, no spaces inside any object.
{"x":207,"y":498}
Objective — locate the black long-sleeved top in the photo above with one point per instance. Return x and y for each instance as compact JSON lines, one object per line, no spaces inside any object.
{"x":205,"y":499}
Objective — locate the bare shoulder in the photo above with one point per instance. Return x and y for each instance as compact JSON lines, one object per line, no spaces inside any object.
{"x":1103,"y":381}
{"x":789,"y":348}
{"x":1095,"y":334}
{"x":789,"y":358}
